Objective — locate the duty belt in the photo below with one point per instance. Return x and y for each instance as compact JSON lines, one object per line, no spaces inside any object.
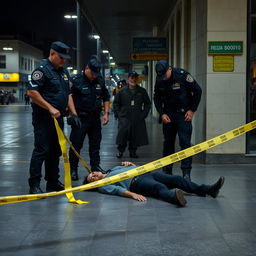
{"x":84,"y":114}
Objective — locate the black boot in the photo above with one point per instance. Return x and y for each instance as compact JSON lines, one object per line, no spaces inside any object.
{"x":97,"y":168}
{"x":74,"y":175}
{"x":186,"y":174}
{"x":35,"y":189}
{"x":54,"y":186}
{"x":215,"y":188}
{"x":119,"y":154}
{"x":133,"y":154}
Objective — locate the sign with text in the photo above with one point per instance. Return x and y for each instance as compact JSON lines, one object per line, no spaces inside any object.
{"x":223,"y":63}
{"x":149,"y":48}
{"x":225,"y":47}
{"x":149,"y":44}
{"x":149,"y":56}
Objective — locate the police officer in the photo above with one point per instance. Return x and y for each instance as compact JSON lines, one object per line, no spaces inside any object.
{"x":51,"y":97}
{"x":176,"y":97}
{"x":89,"y":91}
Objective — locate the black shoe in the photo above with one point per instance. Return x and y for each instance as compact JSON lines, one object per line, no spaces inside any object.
{"x":187,"y":177}
{"x":35,"y":190}
{"x":180,"y":199}
{"x":119,"y":154}
{"x":54,"y":186}
{"x":133,"y":155}
{"x":74,"y":175}
{"x":97,"y":168}
{"x":215,"y":188}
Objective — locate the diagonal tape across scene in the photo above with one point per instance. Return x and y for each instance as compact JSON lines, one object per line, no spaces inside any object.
{"x":141,"y":169}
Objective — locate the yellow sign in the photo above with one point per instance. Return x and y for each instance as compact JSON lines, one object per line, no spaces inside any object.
{"x":149,"y":56}
{"x":9,"y":77}
{"x":223,"y":63}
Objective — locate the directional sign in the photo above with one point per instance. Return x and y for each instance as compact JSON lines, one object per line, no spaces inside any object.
{"x":149,"y":44}
{"x":149,"y":56}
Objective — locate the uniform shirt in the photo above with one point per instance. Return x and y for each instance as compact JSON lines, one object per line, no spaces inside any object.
{"x":88,"y":95}
{"x":52,"y":84}
{"x":180,"y":92}
{"x":119,"y":187}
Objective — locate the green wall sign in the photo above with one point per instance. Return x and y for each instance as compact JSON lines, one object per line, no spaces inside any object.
{"x":225,"y":47}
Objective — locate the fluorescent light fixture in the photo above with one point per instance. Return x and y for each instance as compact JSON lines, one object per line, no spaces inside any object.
{"x":105,"y":51}
{"x":69,"y":16}
{"x":7,"y":48}
{"x":110,"y":57}
{"x":96,"y":36}
{"x":112,"y":63}
{"x":74,"y":72}
{"x":69,"y":67}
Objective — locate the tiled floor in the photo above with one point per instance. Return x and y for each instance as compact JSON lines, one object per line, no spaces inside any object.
{"x":117,"y":226}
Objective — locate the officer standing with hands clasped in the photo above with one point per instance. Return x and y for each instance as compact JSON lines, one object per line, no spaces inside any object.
{"x":176,"y":97}
{"x":51,"y":97}
{"x":89,"y":91}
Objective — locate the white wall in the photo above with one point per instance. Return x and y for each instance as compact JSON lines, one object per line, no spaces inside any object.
{"x":226,"y":91}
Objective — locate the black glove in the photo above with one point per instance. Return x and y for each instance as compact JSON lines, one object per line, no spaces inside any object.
{"x":74,"y":121}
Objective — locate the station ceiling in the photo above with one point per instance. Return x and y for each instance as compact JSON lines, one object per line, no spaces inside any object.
{"x":118,"y":21}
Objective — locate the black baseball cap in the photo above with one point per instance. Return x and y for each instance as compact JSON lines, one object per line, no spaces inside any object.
{"x":94,"y":66}
{"x":161,"y":68}
{"x":133,"y":74}
{"x":61,"y":48}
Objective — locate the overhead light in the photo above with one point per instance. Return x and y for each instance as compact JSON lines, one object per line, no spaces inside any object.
{"x":7,"y":48}
{"x":96,"y":36}
{"x":105,"y":51}
{"x":112,"y":63}
{"x":69,"y":67}
{"x":110,"y":57}
{"x":74,"y":72}
{"x":69,"y":16}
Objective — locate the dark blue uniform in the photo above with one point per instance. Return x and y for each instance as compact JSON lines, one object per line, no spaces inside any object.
{"x":175,"y":97}
{"x":53,"y":85}
{"x":88,"y":97}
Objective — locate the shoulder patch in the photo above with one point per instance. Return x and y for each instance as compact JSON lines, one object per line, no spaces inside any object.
{"x":37,"y":75}
{"x":189,"y":79}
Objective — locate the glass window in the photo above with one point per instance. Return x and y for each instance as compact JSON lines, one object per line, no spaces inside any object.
{"x":2,"y":61}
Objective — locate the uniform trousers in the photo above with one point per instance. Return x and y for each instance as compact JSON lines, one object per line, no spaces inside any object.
{"x":46,"y":147}
{"x":91,"y":126}
{"x":184,"y":130}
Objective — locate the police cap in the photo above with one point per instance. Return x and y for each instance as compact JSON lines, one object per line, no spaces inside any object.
{"x":61,"y":48}
{"x":161,"y":68}
{"x":133,"y":74}
{"x":94,"y":66}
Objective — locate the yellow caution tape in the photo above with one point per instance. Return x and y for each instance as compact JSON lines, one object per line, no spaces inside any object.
{"x":141,"y":169}
{"x":67,"y":178}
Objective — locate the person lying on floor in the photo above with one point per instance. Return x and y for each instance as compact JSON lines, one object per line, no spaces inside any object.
{"x":159,"y":185}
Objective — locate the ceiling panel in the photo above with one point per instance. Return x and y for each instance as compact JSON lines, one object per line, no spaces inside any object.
{"x":117,"y":22}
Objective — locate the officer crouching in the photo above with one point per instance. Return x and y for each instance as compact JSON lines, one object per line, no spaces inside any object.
{"x":176,"y":97}
{"x":88,"y":92}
